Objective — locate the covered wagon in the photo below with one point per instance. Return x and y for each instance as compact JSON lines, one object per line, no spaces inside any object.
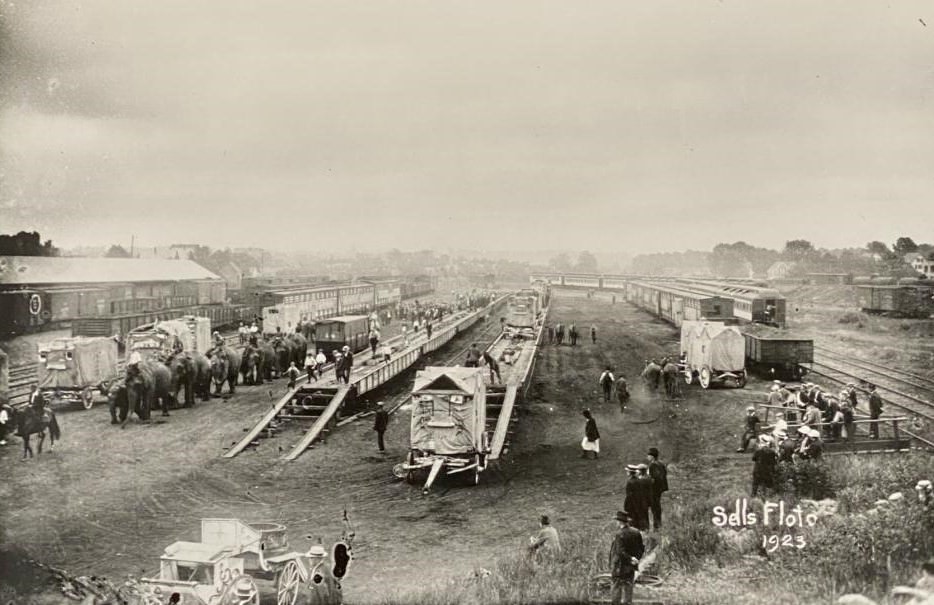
{"x":70,"y":370}
{"x":715,"y":353}
{"x":448,"y":425}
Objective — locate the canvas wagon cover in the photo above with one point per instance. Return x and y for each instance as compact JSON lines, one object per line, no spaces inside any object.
{"x":713,"y":344}
{"x":76,"y":362}
{"x":448,"y":410}
{"x":159,"y":339}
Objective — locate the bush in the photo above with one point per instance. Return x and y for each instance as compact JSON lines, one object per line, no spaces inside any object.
{"x":692,"y":537}
{"x":805,"y":479}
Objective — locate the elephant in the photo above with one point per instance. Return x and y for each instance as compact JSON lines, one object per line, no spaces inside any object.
{"x":299,"y":348}
{"x":191,"y":371}
{"x":269,"y":356}
{"x":283,"y":354}
{"x":146,"y":382}
{"x":252,"y":365}
{"x":225,"y":366}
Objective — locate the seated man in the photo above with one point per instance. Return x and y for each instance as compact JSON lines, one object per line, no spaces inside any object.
{"x":752,"y":429}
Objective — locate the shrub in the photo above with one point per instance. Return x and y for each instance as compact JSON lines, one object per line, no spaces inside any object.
{"x":805,"y":479}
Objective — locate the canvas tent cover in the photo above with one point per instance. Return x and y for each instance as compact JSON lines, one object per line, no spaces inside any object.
{"x":448,"y":410}
{"x":713,"y":344}
{"x":76,"y":362}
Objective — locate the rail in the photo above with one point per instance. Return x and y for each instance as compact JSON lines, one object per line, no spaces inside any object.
{"x":323,"y":421}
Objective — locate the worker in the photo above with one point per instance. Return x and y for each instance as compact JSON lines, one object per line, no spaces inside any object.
{"x":545,"y":542}
{"x":659,"y":474}
{"x":374,"y":340}
{"x":293,"y":374}
{"x":593,"y":333}
{"x":311,"y":365}
{"x":494,"y":368}
{"x":380,"y":423}
{"x":591,"y":441}
{"x":625,"y":553}
{"x":473,"y":357}
{"x":875,"y":411}
{"x":751,"y":431}
{"x":348,"y":363}
{"x":606,"y":382}
{"x":764,"y":462}
{"x":622,"y":392}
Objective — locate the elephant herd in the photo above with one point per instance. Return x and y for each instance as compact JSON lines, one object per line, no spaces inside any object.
{"x":150,"y":381}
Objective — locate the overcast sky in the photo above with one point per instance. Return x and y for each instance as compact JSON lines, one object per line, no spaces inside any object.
{"x":608,"y":125}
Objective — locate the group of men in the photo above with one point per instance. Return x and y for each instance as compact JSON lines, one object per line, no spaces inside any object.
{"x":644,"y":489}
{"x":667,"y":373}
{"x":555,"y":334}
{"x":833,"y":415}
{"x":609,"y":383}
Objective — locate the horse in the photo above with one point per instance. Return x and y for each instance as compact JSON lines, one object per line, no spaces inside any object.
{"x":28,"y":422}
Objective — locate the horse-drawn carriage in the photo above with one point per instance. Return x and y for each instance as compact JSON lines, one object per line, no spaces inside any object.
{"x":716,"y":353}
{"x":448,"y":430}
{"x":70,"y":370}
{"x":223,"y":568}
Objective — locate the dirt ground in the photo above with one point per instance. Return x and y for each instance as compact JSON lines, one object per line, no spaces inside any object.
{"x":107,"y":501}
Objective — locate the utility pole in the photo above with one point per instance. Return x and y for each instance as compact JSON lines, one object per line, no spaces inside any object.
{"x":132,"y":242}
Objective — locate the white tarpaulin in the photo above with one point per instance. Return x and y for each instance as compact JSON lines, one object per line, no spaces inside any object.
{"x":76,"y":362}
{"x":448,"y":410}
{"x":713,"y":344}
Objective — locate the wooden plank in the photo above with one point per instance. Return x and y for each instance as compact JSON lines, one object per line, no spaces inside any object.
{"x":323,"y":420}
{"x":262,"y":424}
{"x":871,"y":445}
{"x":502,"y":425}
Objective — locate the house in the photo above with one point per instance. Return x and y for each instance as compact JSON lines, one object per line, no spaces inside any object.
{"x":921,"y":264}
{"x":232,"y":274}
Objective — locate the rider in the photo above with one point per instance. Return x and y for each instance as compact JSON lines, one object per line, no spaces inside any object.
{"x":36,"y":400}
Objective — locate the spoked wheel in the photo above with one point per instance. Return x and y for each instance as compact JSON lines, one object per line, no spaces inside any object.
{"x":87,"y":398}
{"x":741,"y":381}
{"x":288,"y":584}
{"x":705,"y":377}
{"x":688,"y":376}
{"x":476,"y":471}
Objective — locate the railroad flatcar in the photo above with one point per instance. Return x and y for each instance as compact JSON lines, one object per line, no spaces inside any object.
{"x":774,"y":354}
{"x":896,"y":301}
{"x":521,"y":313}
{"x":345,"y":330}
{"x":23,"y":311}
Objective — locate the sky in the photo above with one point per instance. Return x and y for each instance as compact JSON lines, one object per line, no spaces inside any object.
{"x":602,"y":125}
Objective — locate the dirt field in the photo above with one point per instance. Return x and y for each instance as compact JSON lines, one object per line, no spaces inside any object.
{"x":107,"y":501}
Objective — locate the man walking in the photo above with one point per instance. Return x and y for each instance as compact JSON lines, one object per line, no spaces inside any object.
{"x":875,"y":411}
{"x":622,"y":393}
{"x":591,"y":441}
{"x":348,"y":364}
{"x":606,"y":382}
{"x":659,"y":474}
{"x":380,"y":422}
{"x":593,"y":333}
{"x":293,"y":374}
{"x":374,"y":340}
{"x":625,"y":553}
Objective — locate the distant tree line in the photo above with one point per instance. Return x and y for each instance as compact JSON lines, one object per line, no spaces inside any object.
{"x":26,"y":243}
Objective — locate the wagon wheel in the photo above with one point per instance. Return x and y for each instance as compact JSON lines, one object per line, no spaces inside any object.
{"x":688,"y":376}
{"x":705,"y":377}
{"x":476,"y":471}
{"x":87,"y":398}
{"x":741,"y":381}
{"x":288,"y":584}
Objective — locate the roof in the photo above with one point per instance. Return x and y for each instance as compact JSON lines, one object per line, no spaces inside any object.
{"x":195,"y":552}
{"x":342,"y":319}
{"x":29,"y":270}
{"x":448,"y":378}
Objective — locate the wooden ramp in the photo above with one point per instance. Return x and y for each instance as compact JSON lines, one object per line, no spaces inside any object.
{"x":254,"y":433}
{"x":502,"y":424}
{"x":323,"y":420}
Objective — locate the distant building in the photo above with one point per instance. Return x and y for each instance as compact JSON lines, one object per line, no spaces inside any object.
{"x":232,"y":275}
{"x":922,"y":265}
{"x":780,"y":270}
{"x":816,"y":279}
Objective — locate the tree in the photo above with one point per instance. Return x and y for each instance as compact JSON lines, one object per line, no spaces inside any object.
{"x":879,"y":249}
{"x":26,"y":244}
{"x":904,"y":245}
{"x":117,"y":251}
{"x":561,"y":263}
{"x":798,"y":249}
{"x":586,"y":263}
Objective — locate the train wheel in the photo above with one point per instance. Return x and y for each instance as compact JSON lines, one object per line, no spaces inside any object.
{"x":87,"y":398}
{"x":705,"y":377}
{"x":288,"y":584}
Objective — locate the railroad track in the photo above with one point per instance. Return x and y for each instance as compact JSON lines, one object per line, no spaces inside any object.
{"x":916,"y":380}
{"x":917,"y":407}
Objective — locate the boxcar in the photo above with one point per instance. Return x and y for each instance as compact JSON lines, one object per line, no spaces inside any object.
{"x":777,"y":356}
{"x":23,"y":311}
{"x":337,"y":332}
{"x":896,"y":301}
{"x":119,"y":324}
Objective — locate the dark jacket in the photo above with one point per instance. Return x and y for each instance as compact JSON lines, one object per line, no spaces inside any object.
{"x":875,"y":403}
{"x":752,"y":423}
{"x":626,"y":544}
{"x":764,"y":459}
{"x":490,"y":361}
{"x":659,"y":474}
{"x":381,"y":421}
{"x":591,"y":430}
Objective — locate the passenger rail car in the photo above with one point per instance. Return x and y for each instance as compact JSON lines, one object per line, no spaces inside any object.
{"x":676,"y":305}
{"x":750,"y":303}
{"x":337,"y":332}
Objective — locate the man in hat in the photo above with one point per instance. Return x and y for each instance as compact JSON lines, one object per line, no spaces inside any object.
{"x":644,"y":486}
{"x":764,"y":462}
{"x":659,"y":474}
{"x":473,"y":357}
{"x":775,"y":397}
{"x":752,"y":429}
{"x":786,"y":446}
{"x":380,"y":423}
{"x":811,"y":447}
{"x":637,"y":499}
{"x":348,"y":363}
{"x":625,"y":552}
{"x":812,"y":416}
{"x":875,"y":411}
{"x":545,"y":542}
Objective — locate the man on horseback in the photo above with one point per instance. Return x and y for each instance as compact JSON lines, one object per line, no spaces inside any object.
{"x":36,"y":400}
